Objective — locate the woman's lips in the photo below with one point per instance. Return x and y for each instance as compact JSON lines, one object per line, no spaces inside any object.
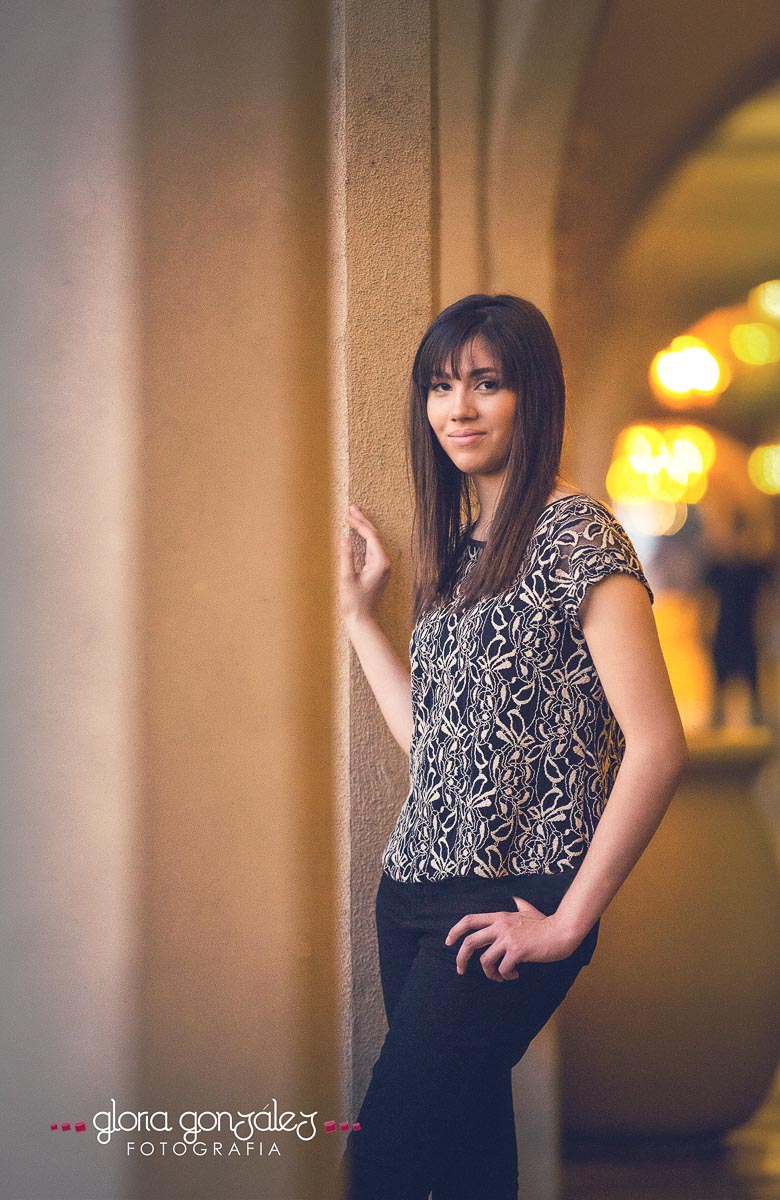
{"x":465,"y":439}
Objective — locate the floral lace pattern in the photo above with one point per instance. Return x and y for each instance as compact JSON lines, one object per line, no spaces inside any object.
{"x":515,"y":748}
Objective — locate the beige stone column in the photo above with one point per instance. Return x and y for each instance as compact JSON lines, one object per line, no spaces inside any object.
{"x":68,"y":898}
{"x":236,"y":1005}
{"x":381,"y":272}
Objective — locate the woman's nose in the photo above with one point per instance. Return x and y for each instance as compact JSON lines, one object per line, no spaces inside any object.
{"x":461,"y":402}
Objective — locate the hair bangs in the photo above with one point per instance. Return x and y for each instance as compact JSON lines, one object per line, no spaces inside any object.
{"x":443,"y":350}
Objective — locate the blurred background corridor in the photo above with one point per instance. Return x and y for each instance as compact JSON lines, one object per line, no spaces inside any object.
{"x":225,"y":228}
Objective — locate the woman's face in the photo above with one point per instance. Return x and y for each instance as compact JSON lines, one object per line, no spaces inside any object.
{"x":479,"y":406}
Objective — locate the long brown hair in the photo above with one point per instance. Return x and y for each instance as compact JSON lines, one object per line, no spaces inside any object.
{"x":529,"y":361}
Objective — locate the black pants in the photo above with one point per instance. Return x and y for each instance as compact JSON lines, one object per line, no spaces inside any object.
{"x":438,"y":1114}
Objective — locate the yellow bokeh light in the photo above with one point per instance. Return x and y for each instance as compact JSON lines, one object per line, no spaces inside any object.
{"x":653,"y":518}
{"x":667,"y":482}
{"x":688,"y":454}
{"x":688,"y":370}
{"x":679,"y":516}
{"x":697,"y":486}
{"x":641,"y":445}
{"x":765,"y":299}
{"x":658,"y":472}
{"x":764,"y":469}
{"x":701,"y":439}
{"x":625,"y":484}
{"x":755,"y":343}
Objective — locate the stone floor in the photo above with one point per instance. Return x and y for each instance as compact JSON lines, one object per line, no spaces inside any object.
{"x":745,"y":1166}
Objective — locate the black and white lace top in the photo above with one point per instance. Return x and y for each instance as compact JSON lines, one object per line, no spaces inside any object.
{"x":515,"y":747}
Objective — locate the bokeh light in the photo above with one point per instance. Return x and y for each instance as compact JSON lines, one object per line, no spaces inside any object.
{"x":652,"y":518}
{"x":764,"y":469}
{"x":755,"y":343}
{"x":657,"y":472}
{"x":688,"y":372}
{"x":764,"y":300}
{"x":699,"y":365}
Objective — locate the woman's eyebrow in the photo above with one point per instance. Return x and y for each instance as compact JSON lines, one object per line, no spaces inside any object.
{"x":471,"y":375}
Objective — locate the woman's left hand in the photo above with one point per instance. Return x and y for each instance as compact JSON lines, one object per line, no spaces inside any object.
{"x":525,"y":936}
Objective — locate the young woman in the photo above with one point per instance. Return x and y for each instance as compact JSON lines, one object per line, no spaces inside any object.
{"x":537,"y":692}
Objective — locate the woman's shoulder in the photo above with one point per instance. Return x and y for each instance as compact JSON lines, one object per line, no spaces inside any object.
{"x":584,"y":528}
{"x":581,"y":511}
{"x":580,"y":501}
{"x":573,"y":517}
{"x":590,"y":542}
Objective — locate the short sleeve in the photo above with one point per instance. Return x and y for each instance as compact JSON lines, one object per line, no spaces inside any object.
{"x":590,"y":546}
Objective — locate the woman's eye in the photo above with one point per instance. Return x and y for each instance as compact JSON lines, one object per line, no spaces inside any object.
{"x":491,"y":383}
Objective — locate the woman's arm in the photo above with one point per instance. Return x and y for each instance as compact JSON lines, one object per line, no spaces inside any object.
{"x":620,"y":631}
{"x":387,"y":677}
{"x":359,"y":591}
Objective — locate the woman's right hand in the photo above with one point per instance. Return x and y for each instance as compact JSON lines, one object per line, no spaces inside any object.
{"x":359,"y":591}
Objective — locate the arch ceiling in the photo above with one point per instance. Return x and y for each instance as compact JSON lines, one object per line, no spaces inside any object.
{"x":657,"y":81}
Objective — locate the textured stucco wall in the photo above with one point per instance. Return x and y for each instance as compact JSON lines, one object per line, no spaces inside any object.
{"x":462,"y":54}
{"x":381,"y":218}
